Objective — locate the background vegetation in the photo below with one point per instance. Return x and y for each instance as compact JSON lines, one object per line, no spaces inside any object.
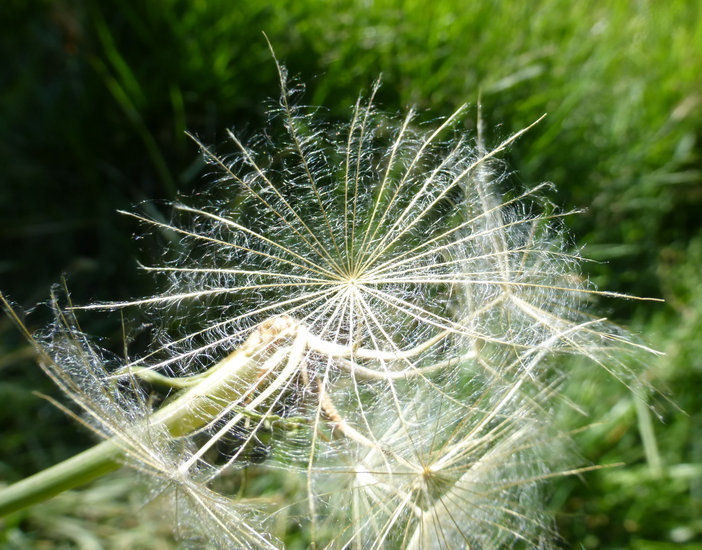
{"x":95,"y":97}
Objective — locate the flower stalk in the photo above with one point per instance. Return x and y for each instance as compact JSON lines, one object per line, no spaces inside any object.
{"x":199,"y":401}
{"x":78,"y":470}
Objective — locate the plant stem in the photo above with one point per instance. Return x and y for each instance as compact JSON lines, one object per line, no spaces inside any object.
{"x":192,"y":409}
{"x":77,"y":470}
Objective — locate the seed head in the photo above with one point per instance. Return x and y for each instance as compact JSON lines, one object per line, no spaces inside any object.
{"x":359,"y":306}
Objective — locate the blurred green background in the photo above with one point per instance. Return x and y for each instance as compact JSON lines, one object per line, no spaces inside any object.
{"x":95,"y":97}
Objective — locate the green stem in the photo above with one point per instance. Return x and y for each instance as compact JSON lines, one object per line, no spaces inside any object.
{"x":77,"y":470}
{"x":192,"y":409}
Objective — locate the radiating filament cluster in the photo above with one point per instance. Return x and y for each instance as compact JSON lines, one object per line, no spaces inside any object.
{"x":365,"y":316}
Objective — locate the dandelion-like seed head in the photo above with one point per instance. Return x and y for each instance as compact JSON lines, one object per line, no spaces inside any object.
{"x":360,"y":307}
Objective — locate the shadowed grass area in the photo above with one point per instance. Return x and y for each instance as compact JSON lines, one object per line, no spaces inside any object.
{"x":95,"y":98}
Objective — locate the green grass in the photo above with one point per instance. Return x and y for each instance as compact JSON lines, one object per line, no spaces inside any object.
{"x":95,"y":98}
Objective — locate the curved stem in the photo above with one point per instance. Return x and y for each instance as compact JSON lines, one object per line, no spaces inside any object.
{"x":189,"y":411}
